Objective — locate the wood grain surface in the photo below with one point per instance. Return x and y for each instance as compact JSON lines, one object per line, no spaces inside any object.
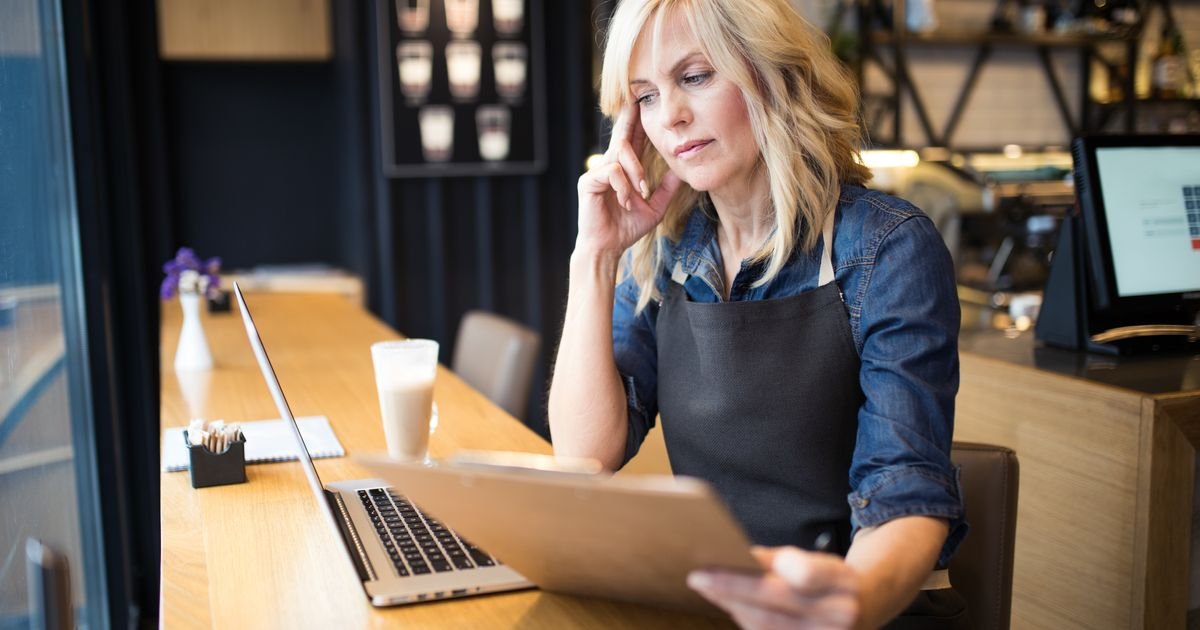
{"x":228,"y":30}
{"x":258,"y":554}
{"x":1105,"y":501}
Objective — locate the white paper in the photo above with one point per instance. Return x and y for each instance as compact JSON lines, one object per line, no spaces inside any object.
{"x":266,"y":441}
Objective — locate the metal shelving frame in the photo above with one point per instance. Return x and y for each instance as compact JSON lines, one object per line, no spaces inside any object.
{"x":1092,"y":118}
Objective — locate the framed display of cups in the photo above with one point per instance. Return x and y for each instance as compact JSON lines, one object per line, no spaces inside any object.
{"x":460,"y":87}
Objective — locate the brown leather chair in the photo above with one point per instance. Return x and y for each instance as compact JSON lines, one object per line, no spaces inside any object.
{"x":982,"y":568}
{"x":496,"y":356}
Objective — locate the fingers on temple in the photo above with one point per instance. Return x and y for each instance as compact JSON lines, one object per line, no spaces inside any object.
{"x":624,"y":126}
{"x":619,"y":182}
{"x":595,"y":181}
{"x":629,"y":161}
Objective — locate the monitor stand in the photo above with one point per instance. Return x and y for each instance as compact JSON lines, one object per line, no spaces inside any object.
{"x":1066,"y":321}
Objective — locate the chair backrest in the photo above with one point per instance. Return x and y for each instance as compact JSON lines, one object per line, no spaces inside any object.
{"x":982,"y":568}
{"x":496,"y":356}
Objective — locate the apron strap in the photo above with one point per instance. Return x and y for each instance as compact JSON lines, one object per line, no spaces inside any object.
{"x":827,"y":252}
{"x":678,"y":275}
{"x":826,"y":276}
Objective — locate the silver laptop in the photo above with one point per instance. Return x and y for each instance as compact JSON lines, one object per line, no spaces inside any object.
{"x":401,"y":555}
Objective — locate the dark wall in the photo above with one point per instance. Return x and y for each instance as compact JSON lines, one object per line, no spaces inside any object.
{"x":279,"y":162}
{"x":254,"y":160}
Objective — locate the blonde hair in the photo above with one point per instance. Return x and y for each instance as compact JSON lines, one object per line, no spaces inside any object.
{"x":803,"y":110}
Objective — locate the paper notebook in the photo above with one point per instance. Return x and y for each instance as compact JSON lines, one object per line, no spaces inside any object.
{"x":266,"y":441}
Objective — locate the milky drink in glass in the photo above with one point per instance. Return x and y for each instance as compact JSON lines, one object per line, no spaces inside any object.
{"x":508,"y":15}
{"x":463,"y":60}
{"x":404,"y":377}
{"x":437,"y":132}
{"x":405,"y":405}
{"x":414,"y":60}
{"x":492,"y":122}
{"x":509,"y":59}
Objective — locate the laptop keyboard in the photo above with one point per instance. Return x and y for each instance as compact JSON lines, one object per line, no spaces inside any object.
{"x":416,"y":543}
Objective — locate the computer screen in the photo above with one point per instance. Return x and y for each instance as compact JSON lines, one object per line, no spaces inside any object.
{"x":1151,"y":201}
{"x":1125,"y":276}
{"x":1138,"y":198}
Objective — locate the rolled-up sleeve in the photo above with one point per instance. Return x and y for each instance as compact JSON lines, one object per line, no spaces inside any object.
{"x":909,"y":330}
{"x":636,"y":353}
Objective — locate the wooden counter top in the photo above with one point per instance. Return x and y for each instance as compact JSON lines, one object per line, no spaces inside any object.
{"x":258,"y":554}
{"x":1107,"y":451}
{"x":1150,"y":374}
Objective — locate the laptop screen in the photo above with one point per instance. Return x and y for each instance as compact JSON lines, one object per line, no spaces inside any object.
{"x":285,"y":412}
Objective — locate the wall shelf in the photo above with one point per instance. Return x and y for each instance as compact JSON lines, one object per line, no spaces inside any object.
{"x":977,"y":38}
{"x":887,"y":50}
{"x":1194,"y":102}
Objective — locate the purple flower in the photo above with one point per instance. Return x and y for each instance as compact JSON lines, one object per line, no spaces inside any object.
{"x":187,"y":260}
{"x":187,"y":257}
{"x":167,"y":290}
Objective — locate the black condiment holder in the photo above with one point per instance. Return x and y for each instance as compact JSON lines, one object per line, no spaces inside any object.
{"x":216,"y":469}
{"x":220,"y":302}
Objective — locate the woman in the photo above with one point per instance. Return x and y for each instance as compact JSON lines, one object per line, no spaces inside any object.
{"x":813,"y":386}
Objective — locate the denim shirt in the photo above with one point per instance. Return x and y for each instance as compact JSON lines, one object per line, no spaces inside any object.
{"x":897,"y":283}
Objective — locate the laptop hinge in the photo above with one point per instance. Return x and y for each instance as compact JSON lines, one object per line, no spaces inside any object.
{"x":350,"y":536}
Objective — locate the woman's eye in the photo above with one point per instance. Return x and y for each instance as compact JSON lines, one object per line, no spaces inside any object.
{"x":645,"y":99}
{"x":696,"y":78}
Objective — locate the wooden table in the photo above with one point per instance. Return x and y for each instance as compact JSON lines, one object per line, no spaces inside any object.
{"x":258,"y":554}
{"x":1107,"y":450}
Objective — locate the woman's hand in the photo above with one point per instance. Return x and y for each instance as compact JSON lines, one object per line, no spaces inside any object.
{"x":615,"y":207}
{"x":801,"y":589}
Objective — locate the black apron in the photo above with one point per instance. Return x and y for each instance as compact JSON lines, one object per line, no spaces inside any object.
{"x":761,"y":398}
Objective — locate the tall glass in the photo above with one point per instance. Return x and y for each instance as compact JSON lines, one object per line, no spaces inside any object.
{"x":462,"y":16}
{"x":404,"y":375}
{"x":508,"y":15}
{"x":437,"y":132}
{"x":415,"y":62}
{"x":492,"y":122}
{"x":509,"y":61}
{"x":463,"y":60}
{"x":412,"y":15}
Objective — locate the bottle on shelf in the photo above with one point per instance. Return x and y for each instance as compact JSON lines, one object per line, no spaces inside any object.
{"x":1170,"y":72}
{"x":1033,"y":18}
{"x":1116,"y":83}
{"x":1125,"y":14}
{"x":920,"y":16}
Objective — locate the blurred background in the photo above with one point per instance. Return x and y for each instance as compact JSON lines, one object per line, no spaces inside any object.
{"x":283,"y":135}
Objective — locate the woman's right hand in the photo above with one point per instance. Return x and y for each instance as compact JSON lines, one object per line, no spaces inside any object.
{"x":614,"y":211}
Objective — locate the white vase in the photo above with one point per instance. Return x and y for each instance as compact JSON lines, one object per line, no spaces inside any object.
{"x":192,"y":352}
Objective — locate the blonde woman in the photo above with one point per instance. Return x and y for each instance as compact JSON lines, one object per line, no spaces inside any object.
{"x":813,"y":386}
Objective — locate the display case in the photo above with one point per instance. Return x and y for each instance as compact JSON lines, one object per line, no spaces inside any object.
{"x":460,"y":87}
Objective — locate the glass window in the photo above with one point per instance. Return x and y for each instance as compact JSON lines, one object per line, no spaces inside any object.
{"x":47,"y":471}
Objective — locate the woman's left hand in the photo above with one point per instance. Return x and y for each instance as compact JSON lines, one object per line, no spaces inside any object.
{"x":800,"y":589}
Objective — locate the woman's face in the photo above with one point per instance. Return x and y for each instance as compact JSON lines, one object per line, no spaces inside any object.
{"x":693,"y":116}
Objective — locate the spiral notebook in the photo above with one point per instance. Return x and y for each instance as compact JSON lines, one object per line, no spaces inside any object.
{"x":266,"y":441}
